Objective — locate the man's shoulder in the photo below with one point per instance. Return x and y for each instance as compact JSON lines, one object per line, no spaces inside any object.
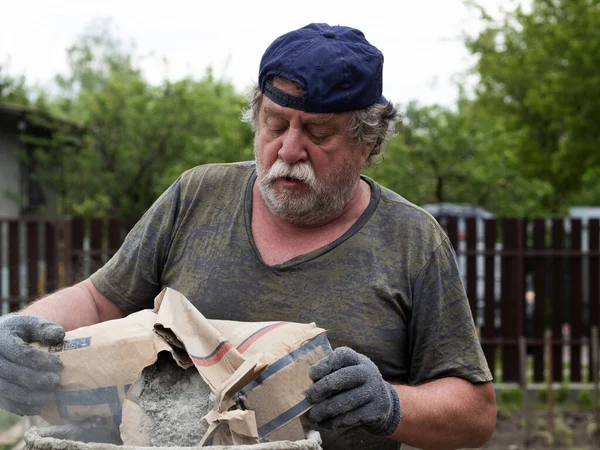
{"x":409,"y":216}
{"x":214,"y":182}
{"x":224,"y":176}
{"x":217,"y":171}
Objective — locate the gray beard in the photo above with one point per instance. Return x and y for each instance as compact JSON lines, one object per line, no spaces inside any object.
{"x":324,"y":201}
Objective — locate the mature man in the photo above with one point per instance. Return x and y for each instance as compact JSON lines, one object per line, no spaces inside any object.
{"x":301,"y":236}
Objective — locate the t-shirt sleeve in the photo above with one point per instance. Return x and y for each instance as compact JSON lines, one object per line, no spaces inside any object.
{"x":443,"y":339}
{"x":132,"y":277}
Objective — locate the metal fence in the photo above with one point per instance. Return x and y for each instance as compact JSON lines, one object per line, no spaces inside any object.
{"x":40,"y":255}
{"x":523,"y":277}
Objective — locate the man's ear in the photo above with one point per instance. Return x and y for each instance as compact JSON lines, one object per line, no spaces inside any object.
{"x":365,"y":153}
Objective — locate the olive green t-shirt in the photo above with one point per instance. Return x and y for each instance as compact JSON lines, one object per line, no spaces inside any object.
{"x":388,"y":288}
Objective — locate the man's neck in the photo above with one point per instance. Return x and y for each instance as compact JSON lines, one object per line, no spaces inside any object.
{"x":349,"y":215}
{"x":279,"y":241}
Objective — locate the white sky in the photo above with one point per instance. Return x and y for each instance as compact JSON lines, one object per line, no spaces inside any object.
{"x":420,"y":39}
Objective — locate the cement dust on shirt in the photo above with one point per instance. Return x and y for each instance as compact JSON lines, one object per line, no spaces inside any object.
{"x":389,"y":287}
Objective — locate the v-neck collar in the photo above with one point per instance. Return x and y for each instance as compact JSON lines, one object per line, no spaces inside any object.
{"x":300,"y":259}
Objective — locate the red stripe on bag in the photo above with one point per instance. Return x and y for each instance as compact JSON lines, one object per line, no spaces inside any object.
{"x":260,"y":333}
{"x":214,"y":357}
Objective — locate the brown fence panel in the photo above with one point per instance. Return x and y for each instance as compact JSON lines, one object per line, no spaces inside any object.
{"x":594,"y":275}
{"x":575,"y":299}
{"x":520,"y":273}
{"x":77,"y":257}
{"x":31,"y":263}
{"x":451,"y":226}
{"x":128,"y":224}
{"x":489,"y":329}
{"x":33,"y":260}
{"x":96,"y":244}
{"x":46,"y":254}
{"x":14,"y":279}
{"x":511,"y":304}
{"x":557,"y":295}
{"x":471,"y":229}
{"x":540,"y":269}
{"x":51,"y":244}
{"x":115,"y":235}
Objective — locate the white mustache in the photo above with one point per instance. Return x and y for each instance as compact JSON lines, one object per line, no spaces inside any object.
{"x":302,"y":171}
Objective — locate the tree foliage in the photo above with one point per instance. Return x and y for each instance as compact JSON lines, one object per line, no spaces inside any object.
{"x":539,"y":77}
{"x":524,"y":141}
{"x":527,"y":141}
{"x":137,"y":137}
{"x":12,"y":89}
{"x":460,"y":156}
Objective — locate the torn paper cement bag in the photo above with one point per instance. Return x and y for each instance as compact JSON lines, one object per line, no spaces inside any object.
{"x":102,"y":361}
{"x":279,"y":353}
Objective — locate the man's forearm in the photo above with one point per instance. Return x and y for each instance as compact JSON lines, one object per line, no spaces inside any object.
{"x":75,"y":307}
{"x":449,"y":413}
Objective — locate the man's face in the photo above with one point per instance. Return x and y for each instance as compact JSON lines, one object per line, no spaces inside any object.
{"x":307,"y":164}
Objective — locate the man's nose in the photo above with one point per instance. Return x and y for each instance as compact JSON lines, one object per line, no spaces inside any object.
{"x":293,"y":148}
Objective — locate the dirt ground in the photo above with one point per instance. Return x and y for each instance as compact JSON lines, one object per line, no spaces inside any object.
{"x":569,"y":430}
{"x":572,"y":431}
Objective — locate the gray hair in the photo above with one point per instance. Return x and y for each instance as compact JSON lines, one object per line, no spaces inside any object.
{"x":373,"y":126}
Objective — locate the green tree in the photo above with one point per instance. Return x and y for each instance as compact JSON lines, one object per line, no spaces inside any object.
{"x":458,"y":155}
{"x":137,"y":136}
{"x":12,"y":89}
{"x":539,"y":77}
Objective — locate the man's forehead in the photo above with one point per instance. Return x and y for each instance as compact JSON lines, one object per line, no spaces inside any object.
{"x":280,"y":111}
{"x":272,"y":109}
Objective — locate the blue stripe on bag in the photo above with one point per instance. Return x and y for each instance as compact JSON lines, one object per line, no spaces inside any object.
{"x":297,"y":409}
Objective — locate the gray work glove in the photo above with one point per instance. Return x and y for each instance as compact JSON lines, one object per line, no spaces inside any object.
{"x":348,"y":391}
{"x":28,"y":377}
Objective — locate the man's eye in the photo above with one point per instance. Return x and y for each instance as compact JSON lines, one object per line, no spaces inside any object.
{"x":319,"y":138}
{"x":276,"y":131}
{"x":276,"y":127}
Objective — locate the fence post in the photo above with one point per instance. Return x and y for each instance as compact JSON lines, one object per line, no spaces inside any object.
{"x":512,"y":297}
{"x":594,"y":364}
{"x":34,"y":285}
{"x":540,"y":271}
{"x":576,"y":302}
{"x":523,"y":382}
{"x":549,"y":373}
{"x":557,"y":294}
{"x":489,"y":328}
{"x":14,"y":265}
{"x":67,"y":253}
{"x":52,"y":257}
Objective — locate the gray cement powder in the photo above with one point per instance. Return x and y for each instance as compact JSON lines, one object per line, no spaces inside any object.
{"x":174,"y":400}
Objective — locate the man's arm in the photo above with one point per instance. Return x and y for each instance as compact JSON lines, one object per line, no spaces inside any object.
{"x":75,"y":306}
{"x":448,"y":413}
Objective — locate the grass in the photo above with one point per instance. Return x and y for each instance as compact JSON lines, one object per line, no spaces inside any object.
{"x":7,"y":420}
{"x":563,"y":399}
{"x":566,"y":369}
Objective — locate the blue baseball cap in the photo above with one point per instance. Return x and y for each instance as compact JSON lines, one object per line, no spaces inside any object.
{"x":336,"y":67}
